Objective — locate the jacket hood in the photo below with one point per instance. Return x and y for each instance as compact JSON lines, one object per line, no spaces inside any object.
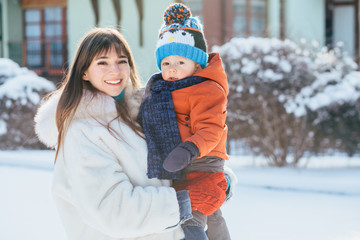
{"x":100,"y":106}
{"x":215,"y":71}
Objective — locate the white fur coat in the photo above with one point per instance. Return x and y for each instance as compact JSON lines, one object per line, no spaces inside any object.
{"x":100,"y":185}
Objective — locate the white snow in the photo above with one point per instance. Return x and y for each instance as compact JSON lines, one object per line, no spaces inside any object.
{"x":346,"y":90}
{"x":320,"y":202}
{"x":9,"y":68}
{"x":320,"y":93}
{"x":21,"y":83}
{"x":270,"y":76}
{"x":249,"y":67}
{"x":285,"y":66}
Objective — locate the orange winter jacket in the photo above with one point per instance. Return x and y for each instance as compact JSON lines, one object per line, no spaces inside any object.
{"x":201,"y":110}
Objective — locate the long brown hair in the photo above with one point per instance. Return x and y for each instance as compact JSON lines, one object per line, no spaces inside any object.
{"x":95,"y":42}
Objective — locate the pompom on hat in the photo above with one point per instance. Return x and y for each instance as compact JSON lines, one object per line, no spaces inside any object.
{"x":181,"y":34}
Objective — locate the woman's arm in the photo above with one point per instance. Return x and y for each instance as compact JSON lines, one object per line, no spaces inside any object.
{"x":104,"y":195}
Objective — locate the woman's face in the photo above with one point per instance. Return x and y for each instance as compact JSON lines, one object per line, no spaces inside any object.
{"x":109,"y":73}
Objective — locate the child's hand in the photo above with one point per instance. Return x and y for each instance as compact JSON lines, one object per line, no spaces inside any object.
{"x":181,"y":156}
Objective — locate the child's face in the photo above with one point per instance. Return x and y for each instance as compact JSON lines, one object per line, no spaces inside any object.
{"x":177,"y":67}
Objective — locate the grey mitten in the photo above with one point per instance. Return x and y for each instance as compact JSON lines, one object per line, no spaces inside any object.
{"x":181,"y":156}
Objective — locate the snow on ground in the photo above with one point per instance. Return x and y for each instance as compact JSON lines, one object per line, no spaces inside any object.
{"x":321,"y":202}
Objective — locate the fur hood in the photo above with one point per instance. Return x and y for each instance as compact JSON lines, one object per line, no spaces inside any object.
{"x":99,"y":106}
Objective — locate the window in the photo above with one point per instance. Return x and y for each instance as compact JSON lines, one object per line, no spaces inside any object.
{"x":340,"y":13}
{"x":33,"y":37}
{"x":250,"y":18}
{"x":45,"y":38}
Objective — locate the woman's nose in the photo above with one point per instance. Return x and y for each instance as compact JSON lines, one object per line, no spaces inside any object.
{"x":115,"y":68}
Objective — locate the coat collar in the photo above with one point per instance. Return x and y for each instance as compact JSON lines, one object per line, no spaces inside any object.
{"x":100,"y":106}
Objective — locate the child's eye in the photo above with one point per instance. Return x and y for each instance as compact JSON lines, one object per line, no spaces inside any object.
{"x":165,"y":64}
{"x":181,"y":62}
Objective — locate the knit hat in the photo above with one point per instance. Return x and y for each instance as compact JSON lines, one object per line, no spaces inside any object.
{"x":181,"y":34}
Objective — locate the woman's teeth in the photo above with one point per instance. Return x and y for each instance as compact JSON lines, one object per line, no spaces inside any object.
{"x":113,"y":82}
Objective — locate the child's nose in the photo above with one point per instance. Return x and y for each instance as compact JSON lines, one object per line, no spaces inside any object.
{"x":172,"y":69}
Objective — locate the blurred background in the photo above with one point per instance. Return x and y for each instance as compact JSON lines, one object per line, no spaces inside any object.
{"x":292,"y":65}
{"x":293,"y":106}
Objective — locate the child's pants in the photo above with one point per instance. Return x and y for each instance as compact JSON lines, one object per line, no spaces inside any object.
{"x":217,"y":229}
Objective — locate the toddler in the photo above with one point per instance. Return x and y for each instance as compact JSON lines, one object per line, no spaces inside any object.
{"x":183,"y":116}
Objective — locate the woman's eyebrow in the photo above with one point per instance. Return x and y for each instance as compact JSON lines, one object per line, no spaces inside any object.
{"x":101,"y":57}
{"x":104,"y":57}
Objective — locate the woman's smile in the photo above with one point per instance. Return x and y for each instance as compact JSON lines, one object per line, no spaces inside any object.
{"x":113,"y":82}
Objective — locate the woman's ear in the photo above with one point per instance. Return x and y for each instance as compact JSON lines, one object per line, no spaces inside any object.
{"x":85,"y":77}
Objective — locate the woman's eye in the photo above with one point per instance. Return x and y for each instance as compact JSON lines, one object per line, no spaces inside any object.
{"x":123,"y":62}
{"x":102,"y":63}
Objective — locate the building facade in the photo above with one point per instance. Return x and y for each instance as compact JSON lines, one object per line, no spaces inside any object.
{"x":43,"y":34}
{"x":325,"y":21}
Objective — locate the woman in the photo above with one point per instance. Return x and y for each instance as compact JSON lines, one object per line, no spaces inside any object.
{"x":100,"y":184}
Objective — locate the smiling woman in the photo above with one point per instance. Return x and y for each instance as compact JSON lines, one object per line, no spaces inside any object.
{"x":100,"y":184}
{"x":103,"y":55}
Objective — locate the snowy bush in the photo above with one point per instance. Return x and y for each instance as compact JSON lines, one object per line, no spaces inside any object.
{"x":337,"y":127}
{"x":20,"y":93}
{"x":262,"y":74}
{"x":331,"y":102}
{"x":336,"y":81}
{"x":273,"y":85}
